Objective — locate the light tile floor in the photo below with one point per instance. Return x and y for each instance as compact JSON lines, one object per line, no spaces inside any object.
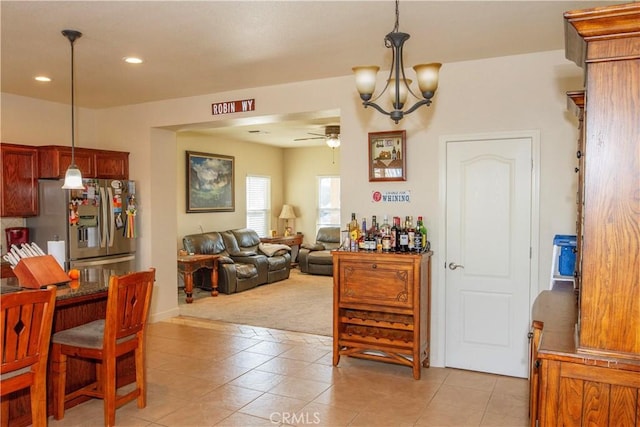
{"x":204,"y":373}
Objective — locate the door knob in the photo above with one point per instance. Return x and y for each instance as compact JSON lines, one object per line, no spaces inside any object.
{"x":453,"y":266}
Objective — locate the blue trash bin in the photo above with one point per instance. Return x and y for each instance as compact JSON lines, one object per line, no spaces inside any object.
{"x":567,"y":258}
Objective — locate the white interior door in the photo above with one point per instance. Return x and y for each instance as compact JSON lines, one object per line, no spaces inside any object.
{"x":488,"y":254}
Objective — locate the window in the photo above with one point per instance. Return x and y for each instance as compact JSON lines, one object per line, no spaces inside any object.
{"x":328,"y":201}
{"x":258,"y":204}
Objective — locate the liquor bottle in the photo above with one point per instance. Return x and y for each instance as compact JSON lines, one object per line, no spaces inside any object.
{"x":385,"y":228}
{"x":374,"y":225}
{"x":423,"y":232}
{"x":411,"y":233}
{"x":354,"y":232}
{"x":417,"y":245}
{"x":362,"y":240}
{"x":403,"y":238}
{"x":395,"y":244}
{"x":386,"y":243}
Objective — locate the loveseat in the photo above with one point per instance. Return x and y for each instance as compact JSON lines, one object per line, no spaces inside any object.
{"x":316,"y":258}
{"x":244,"y":261}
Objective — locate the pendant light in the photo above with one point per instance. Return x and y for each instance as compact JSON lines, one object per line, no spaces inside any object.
{"x":73,"y":176}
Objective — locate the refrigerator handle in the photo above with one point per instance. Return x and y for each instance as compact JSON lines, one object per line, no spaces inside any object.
{"x":112,"y":222}
{"x":105,"y":218}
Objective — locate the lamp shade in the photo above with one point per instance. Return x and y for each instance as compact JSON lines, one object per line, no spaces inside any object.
{"x":73,"y":179}
{"x":287,"y":212}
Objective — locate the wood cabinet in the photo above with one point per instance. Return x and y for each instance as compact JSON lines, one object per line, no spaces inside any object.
{"x":19,"y":180}
{"x":589,"y":369}
{"x":54,"y":161}
{"x":381,"y":307}
{"x":576,"y":103}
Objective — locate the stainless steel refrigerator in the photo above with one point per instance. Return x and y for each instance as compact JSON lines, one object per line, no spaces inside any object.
{"x":98,"y":223}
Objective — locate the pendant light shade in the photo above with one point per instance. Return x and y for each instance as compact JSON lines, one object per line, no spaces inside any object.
{"x":73,"y":176}
{"x":73,"y":179}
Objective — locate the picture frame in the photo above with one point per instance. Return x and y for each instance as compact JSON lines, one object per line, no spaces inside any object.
{"x":387,"y":156}
{"x":210,"y":182}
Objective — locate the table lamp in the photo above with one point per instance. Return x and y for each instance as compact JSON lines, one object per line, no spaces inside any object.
{"x":287,"y":214}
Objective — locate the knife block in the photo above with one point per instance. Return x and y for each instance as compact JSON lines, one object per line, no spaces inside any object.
{"x":39,"y":271}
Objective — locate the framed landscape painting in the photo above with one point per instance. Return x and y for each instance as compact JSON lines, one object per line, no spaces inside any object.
{"x":210,"y":183}
{"x":387,"y":156}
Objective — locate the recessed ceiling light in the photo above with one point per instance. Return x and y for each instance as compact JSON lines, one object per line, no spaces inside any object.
{"x":132,"y":60}
{"x":42,"y":78}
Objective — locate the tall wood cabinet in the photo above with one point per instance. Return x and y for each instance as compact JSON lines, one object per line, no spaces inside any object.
{"x":381,"y":307}
{"x":589,"y":369}
{"x":19,"y":180}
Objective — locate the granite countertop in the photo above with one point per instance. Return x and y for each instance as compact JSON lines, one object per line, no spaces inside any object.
{"x":92,"y":281}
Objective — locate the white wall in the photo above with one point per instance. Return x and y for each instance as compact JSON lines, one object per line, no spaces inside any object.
{"x":522,"y":92}
{"x":249,"y":158}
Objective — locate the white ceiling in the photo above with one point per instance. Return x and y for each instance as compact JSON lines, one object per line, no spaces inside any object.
{"x":200,"y":47}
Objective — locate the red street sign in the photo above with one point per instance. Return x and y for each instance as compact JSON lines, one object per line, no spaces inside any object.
{"x":228,"y":107}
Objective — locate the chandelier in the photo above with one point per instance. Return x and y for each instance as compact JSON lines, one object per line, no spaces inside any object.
{"x":397,"y":83}
{"x":73,"y":177}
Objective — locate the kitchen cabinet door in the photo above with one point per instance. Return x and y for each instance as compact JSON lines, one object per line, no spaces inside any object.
{"x":55,"y":160}
{"x":19,"y":180}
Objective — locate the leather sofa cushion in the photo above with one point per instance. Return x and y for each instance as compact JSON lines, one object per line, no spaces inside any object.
{"x":210,"y":243}
{"x":246,"y":271}
{"x":277,"y":262}
{"x":320,"y":257}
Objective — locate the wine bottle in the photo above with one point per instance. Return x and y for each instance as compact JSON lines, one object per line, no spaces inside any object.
{"x":395,"y":244}
{"x":403,"y":238}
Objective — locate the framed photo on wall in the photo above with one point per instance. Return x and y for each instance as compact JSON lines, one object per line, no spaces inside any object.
{"x":210,"y":183}
{"x":387,"y":156}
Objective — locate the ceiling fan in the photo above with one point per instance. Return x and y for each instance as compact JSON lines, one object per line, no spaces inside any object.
{"x":331,"y":135}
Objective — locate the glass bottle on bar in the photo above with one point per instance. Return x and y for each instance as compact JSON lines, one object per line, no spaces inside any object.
{"x":403,"y":237}
{"x":411,"y":233}
{"x":362,"y":245}
{"x":385,"y":228}
{"x":423,"y":232}
{"x":354,"y":232}
{"x":417,"y":245}
{"x":394,"y":236}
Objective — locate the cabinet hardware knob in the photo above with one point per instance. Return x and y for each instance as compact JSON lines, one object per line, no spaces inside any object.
{"x":577,"y":170}
{"x":374,"y":265}
{"x":579,"y":154}
{"x":530,"y":335}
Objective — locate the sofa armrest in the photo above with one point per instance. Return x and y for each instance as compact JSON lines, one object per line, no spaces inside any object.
{"x":240,"y":254}
{"x":313,"y":247}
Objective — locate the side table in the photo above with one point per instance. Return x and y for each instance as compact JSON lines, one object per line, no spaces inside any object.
{"x":293,"y":242}
{"x":188,"y":264}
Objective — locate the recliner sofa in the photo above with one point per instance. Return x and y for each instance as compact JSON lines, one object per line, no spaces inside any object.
{"x":244,"y":261}
{"x":317,"y":258}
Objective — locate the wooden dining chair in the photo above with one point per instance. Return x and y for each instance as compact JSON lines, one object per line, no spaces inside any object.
{"x":26,"y":329}
{"x":121,"y":332}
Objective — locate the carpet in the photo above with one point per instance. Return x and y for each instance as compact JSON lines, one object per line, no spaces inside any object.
{"x":302,"y":303}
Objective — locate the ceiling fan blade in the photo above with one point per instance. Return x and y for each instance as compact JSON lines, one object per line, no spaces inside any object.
{"x":315,"y":137}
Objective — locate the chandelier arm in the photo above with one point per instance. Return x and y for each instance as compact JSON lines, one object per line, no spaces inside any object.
{"x":376,"y":106}
{"x":404,"y":79}
{"x":418,"y":104}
